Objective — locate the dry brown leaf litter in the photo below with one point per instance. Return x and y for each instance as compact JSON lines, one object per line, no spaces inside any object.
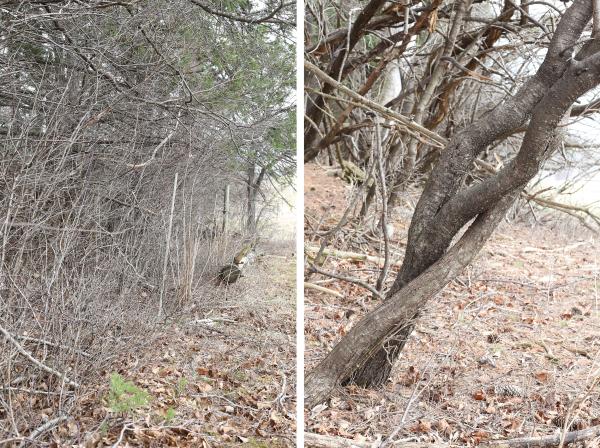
{"x":227,"y":384}
{"x":504,"y":351}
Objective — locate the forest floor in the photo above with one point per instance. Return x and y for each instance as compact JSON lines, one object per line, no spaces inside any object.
{"x":221,"y":375}
{"x":508,"y":349}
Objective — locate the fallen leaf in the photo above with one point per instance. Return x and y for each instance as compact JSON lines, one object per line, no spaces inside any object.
{"x":225,"y":429}
{"x":422,"y":426}
{"x":443,"y":427}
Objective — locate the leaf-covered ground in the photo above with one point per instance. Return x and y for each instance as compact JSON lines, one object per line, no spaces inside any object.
{"x":222,"y":375}
{"x":509,"y":349}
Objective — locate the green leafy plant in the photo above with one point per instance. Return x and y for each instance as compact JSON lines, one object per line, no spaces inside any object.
{"x":170,"y":415}
{"x":103,"y":430}
{"x":181,"y":385}
{"x":124,"y":396}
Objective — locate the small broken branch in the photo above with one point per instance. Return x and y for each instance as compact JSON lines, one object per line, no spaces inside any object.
{"x":313,"y":440}
{"x":30,"y":391}
{"x":53,"y":344}
{"x":573,"y":210}
{"x":543,"y":441}
{"x":435,"y":139}
{"x":136,"y":166}
{"x":354,"y":256}
{"x":126,"y":427}
{"x":356,"y":281}
{"x":308,"y":285}
{"x":579,"y":212}
{"x":65,"y":229}
{"x":37,"y":363}
{"x":322,"y":441}
{"x":45,"y":427}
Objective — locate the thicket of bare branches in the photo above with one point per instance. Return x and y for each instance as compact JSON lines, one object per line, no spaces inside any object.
{"x":441,"y":70}
{"x":110,"y":114}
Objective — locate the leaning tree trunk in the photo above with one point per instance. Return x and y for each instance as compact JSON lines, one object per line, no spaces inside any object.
{"x":251,"y":193}
{"x":253,"y":184}
{"x":373,"y":330}
{"x":367,"y":353}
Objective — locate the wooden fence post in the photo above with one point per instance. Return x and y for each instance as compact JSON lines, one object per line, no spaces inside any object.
{"x":226,"y":209}
{"x":168,"y":245}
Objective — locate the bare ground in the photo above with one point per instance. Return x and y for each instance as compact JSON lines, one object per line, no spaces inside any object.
{"x":221,"y":375}
{"x":509,"y":349}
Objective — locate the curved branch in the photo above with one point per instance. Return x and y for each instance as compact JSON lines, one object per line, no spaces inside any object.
{"x":267,"y":18}
{"x":552,"y":440}
{"x":9,"y":337}
{"x":436,"y":139}
{"x":586,"y":109}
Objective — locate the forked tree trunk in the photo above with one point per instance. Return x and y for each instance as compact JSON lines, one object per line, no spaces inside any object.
{"x":367,"y":353}
{"x":373,"y":330}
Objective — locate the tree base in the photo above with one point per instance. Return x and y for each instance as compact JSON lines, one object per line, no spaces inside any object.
{"x":376,"y":370}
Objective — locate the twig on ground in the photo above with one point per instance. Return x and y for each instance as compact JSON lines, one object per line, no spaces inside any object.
{"x":232,"y":403}
{"x":552,"y":440}
{"x":308,"y":285}
{"x":209,"y":328}
{"x":577,"y":351}
{"x":348,"y":279}
{"x":126,"y":427}
{"x":39,"y":364}
{"x":322,"y":441}
{"x":549,"y":353}
{"x":213,"y":320}
{"x":390,"y":439}
{"x":507,"y":280}
{"x":352,"y":256}
{"x":576,"y":407}
{"x":342,"y":222}
{"x":42,"y":429}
